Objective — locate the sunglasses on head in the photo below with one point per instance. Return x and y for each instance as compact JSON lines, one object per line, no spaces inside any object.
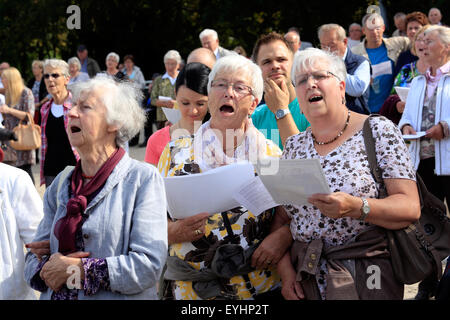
{"x":53,"y":75}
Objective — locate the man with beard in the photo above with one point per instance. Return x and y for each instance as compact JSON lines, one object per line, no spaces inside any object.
{"x":281,"y":116}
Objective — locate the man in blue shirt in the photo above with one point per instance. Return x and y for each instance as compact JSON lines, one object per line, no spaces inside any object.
{"x":88,"y":65}
{"x":382,"y":54}
{"x":281,"y":116}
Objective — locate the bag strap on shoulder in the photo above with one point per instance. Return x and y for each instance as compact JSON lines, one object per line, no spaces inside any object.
{"x":369,"y":142}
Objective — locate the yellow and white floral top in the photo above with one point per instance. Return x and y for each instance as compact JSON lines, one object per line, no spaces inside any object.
{"x":178,"y":159}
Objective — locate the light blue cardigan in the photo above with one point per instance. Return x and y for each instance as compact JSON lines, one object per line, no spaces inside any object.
{"x":127,"y":225}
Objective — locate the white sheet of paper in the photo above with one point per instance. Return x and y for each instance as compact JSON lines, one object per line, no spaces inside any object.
{"x":414,"y":136}
{"x":381,"y":69}
{"x":211,"y":191}
{"x":402,"y":92}
{"x":254,"y":196}
{"x":285,"y":181}
{"x":295,"y":181}
{"x":172,"y":114}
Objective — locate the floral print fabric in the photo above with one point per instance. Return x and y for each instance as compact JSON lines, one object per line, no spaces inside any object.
{"x":247,"y":229}
{"x":346,"y":169}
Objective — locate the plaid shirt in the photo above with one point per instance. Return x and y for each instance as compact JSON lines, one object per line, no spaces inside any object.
{"x":45,"y":109}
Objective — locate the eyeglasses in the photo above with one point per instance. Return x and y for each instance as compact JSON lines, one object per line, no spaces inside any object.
{"x":53,"y":75}
{"x":317,"y":76}
{"x":239,"y":89}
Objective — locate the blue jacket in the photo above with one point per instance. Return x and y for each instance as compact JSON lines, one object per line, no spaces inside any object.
{"x":127,"y":225}
{"x":357,"y":104}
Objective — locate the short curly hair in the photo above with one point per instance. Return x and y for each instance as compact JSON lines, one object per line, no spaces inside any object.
{"x":417,"y":16}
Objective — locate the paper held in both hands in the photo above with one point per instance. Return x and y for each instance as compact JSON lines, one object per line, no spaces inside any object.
{"x":279,"y":181}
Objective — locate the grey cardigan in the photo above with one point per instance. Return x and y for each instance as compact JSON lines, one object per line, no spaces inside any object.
{"x":127,"y":225}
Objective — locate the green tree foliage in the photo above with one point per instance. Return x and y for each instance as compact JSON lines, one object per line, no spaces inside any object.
{"x":36,"y":29}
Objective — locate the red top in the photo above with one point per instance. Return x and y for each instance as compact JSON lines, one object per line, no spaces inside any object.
{"x":156,"y":144}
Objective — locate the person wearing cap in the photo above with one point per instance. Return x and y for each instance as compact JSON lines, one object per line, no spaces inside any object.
{"x":88,"y":65}
{"x":382,"y":54}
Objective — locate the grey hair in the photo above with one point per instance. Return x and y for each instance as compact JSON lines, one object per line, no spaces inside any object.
{"x":442,"y":32}
{"x":399,"y":14}
{"x":58,"y":64}
{"x":329,"y":27}
{"x":38,"y":63}
{"x":373,"y":16}
{"x":122,"y":101}
{"x":434,"y":8}
{"x":113,"y":55}
{"x":75,"y":61}
{"x":208,"y":32}
{"x":235,"y":63}
{"x":354,"y":24}
{"x":172,"y":54}
{"x":309,"y":57}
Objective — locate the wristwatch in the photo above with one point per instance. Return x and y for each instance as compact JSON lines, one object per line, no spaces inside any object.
{"x":365,"y":209}
{"x":281,"y":113}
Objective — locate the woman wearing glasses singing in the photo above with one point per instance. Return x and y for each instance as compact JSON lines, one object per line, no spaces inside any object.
{"x":56,"y":151}
{"x":337,"y":245}
{"x":212,"y":266}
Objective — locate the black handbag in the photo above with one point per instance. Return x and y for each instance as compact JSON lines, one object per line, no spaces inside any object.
{"x":417,"y":250}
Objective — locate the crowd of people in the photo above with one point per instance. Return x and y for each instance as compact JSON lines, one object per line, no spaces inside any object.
{"x":105,"y":214}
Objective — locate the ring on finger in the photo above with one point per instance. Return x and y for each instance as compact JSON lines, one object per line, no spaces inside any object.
{"x":268,"y":261}
{"x":198,"y":232}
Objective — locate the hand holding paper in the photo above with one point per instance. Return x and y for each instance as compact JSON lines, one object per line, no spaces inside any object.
{"x":211,"y":191}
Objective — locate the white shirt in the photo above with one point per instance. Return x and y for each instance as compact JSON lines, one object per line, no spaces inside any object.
{"x":216,"y":53}
{"x":21,"y":210}
{"x":172,"y":80}
{"x":57,"y":110}
{"x":358,"y":82}
{"x":351,"y":43}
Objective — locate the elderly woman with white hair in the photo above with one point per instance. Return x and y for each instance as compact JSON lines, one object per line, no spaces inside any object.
{"x":56,"y":151}
{"x":75,"y":74}
{"x":338,"y":235}
{"x":112,"y":63}
{"x":233,"y":256}
{"x":427,"y":110}
{"x":104,"y":219}
{"x":164,"y":86}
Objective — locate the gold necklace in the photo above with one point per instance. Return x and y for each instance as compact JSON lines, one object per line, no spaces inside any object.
{"x":335,"y":138}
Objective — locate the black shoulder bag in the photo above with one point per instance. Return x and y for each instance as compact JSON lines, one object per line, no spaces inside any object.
{"x":417,"y":250}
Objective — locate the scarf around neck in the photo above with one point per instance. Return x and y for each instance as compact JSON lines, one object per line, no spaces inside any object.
{"x":208,"y":147}
{"x":66,"y":227}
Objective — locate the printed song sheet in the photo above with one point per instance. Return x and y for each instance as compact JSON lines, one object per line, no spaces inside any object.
{"x":211,"y":191}
{"x":283,"y":182}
